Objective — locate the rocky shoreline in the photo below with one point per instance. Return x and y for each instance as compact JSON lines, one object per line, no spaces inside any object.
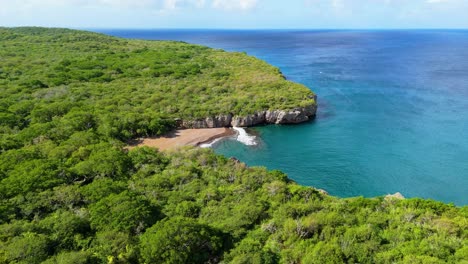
{"x":294,"y":116}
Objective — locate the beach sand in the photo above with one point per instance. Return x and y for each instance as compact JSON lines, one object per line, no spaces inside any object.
{"x":183,"y":137}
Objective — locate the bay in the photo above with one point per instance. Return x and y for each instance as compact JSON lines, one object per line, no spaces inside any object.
{"x":393,"y":108}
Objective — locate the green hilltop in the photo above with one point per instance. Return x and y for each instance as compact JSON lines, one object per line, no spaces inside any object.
{"x":71,"y":193}
{"x":126,"y":84}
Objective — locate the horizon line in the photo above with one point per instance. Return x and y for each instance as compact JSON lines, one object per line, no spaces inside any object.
{"x":260,"y":29}
{"x":236,"y":29}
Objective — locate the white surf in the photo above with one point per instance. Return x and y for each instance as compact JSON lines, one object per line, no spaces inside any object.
{"x":245,"y":138}
{"x":210,"y":144}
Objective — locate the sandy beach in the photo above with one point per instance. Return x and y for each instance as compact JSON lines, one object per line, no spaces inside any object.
{"x":183,"y":137}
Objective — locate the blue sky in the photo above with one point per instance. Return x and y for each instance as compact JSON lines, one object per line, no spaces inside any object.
{"x":237,"y":14}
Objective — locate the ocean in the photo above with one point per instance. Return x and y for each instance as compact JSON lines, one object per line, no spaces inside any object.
{"x":392,"y":116}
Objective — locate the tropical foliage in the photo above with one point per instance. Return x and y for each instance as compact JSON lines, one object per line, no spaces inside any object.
{"x":126,"y":88}
{"x":192,"y":206}
{"x":71,"y":193}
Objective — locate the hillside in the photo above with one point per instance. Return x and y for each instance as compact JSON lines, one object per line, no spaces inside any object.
{"x":127,"y":84}
{"x":70,"y":192}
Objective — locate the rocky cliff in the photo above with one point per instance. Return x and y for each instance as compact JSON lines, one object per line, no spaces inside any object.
{"x":293,"y":116}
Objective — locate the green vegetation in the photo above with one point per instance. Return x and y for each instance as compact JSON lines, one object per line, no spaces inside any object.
{"x":70,"y":192}
{"x":127,"y":88}
{"x":193,"y":206}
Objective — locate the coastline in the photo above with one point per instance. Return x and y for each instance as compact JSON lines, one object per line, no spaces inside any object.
{"x":292,"y":116}
{"x":183,"y":137}
{"x":206,"y":131}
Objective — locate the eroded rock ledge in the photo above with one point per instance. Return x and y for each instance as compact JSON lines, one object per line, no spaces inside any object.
{"x":294,"y":116}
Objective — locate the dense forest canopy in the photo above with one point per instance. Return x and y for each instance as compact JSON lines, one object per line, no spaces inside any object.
{"x":71,"y":193}
{"x":124,"y":88}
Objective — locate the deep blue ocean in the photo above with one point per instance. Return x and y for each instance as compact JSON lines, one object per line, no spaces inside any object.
{"x":393,"y":108}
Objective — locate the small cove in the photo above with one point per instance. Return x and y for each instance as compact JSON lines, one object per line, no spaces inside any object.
{"x":393,"y":108}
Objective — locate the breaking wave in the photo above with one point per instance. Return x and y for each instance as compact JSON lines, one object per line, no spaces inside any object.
{"x":245,"y":138}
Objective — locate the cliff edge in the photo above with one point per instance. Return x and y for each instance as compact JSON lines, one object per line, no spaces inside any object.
{"x":292,"y":116}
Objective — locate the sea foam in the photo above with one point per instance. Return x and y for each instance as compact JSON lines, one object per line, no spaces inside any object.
{"x":210,"y":144}
{"x":245,"y":138}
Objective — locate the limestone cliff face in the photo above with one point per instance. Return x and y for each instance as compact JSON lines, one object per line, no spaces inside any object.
{"x":294,"y":116}
{"x":249,"y":120}
{"x":209,"y":122}
{"x":297,"y":115}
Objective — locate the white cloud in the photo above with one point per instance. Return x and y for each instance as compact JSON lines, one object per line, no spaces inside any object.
{"x":337,"y":4}
{"x":9,"y":5}
{"x":436,"y":1}
{"x":199,"y":3}
{"x":4,"y":4}
{"x":171,"y":4}
{"x":174,"y":4}
{"x":235,"y":4}
{"x":239,"y":5}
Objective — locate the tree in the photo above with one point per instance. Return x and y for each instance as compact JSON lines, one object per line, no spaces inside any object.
{"x":64,"y":228}
{"x":28,"y":248}
{"x":72,"y":257}
{"x":125,"y":212}
{"x":180,"y":240}
{"x":103,"y":160}
{"x":114,"y":247}
{"x":30,"y":176}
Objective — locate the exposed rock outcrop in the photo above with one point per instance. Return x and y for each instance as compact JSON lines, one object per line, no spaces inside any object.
{"x":249,"y":120}
{"x":396,"y":196}
{"x":322,"y":191}
{"x":294,"y":116}
{"x":297,"y":115}
{"x":209,"y":122}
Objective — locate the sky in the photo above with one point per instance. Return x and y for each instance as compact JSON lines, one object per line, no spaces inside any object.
{"x":236,"y":14}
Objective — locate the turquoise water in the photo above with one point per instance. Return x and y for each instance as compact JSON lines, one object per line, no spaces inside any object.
{"x":393,"y":109}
